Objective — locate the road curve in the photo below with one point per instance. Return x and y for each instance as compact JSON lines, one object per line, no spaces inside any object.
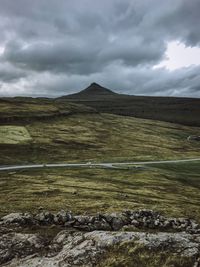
{"x":89,"y":164}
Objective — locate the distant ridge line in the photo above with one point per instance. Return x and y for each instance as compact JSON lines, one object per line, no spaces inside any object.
{"x":179,"y":110}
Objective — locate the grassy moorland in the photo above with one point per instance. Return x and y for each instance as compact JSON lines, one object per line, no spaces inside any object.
{"x":79,"y":135}
{"x":170,"y":188}
{"x":97,"y":137}
{"x":24,"y":109}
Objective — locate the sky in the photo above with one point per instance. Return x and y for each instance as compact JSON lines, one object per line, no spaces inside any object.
{"x":139,"y":47}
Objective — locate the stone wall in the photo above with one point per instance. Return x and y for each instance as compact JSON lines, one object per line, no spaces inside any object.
{"x":140,"y":219}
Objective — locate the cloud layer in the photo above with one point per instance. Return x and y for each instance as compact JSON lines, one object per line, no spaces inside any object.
{"x":50,"y":47}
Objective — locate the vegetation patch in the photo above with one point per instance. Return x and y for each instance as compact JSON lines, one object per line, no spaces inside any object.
{"x":14,"y":135}
{"x":129,"y":254}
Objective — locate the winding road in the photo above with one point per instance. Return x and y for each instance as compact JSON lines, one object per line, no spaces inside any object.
{"x":90,"y":164}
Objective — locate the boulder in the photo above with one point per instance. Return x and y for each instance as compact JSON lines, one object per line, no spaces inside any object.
{"x":45,"y":218}
{"x":63,"y":217}
{"x":17,"y":218}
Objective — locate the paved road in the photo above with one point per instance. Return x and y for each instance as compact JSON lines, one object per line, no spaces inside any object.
{"x":103,"y":165}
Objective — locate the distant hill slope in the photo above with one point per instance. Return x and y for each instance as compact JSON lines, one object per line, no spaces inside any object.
{"x":96,"y":98}
{"x":171,"y":109}
{"x":93,"y":136}
{"x":19,"y":109}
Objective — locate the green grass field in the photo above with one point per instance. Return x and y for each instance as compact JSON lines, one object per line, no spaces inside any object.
{"x":172,"y":189}
{"x":82,"y":135}
{"x":100,"y":137}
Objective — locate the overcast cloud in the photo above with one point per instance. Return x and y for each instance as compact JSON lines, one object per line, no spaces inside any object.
{"x":51,"y":47}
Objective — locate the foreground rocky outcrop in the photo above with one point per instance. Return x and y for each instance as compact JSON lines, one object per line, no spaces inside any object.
{"x":86,"y":249}
{"x":21,"y":246}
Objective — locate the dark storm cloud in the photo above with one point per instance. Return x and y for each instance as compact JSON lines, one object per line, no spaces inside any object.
{"x":183,"y":22}
{"x":56,"y":47}
{"x":9,"y":73}
{"x":58,"y":56}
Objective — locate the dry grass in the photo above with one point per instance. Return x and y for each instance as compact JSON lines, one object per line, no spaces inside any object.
{"x":171,"y":189}
{"x":129,"y":254}
{"x":101,"y":137}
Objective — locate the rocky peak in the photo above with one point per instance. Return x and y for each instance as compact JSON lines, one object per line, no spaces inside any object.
{"x":96,"y":89}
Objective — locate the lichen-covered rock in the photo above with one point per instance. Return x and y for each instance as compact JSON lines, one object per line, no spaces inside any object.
{"x":18,"y":245}
{"x":87,"y":249}
{"x":17,"y":218}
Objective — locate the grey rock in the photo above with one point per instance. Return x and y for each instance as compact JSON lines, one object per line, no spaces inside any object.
{"x":157,"y":222}
{"x":135,"y":223}
{"x":117,"y":223}
{"x":17,"y":218}
{"x":194,"y":225}
{"x":86,"y":249}
{"x":101,"y":225}
{"x":146,"y":219}
{"x":18,"y":245}
{"x":62,"y":217}
{"x":45,"y":218}
{"x":107,"y":217}
{"x":82,"y":219}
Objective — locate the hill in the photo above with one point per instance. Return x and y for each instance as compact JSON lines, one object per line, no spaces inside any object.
{"x":78,"y":136}
{"x":27,"y":109}
{"x":93,"y":92}
{"x":171,"y":109}
{"x":45,"y":130}
{"x":97,"y":137}
{"x":28,"y":135}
